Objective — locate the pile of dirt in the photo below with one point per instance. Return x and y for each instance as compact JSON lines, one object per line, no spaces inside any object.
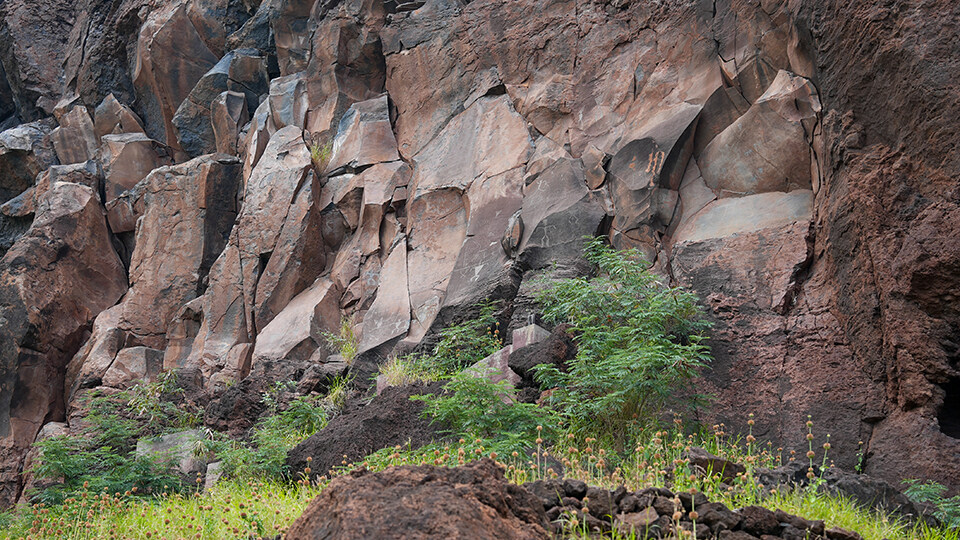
{"x":390,"y":419}
{"x":474,"y":501}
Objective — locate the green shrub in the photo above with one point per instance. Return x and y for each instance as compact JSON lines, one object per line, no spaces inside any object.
{"x":638,"y":340}
{"x":279,"y":430}
{"x":946,"y":509}
{"x":103,"y":453}
{"x":466,"y":343}
{"x":476,"y":407}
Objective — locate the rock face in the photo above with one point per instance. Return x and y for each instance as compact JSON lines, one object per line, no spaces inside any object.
{"x":392,"y":164}
{"x":473,"y":501}
{"x":184,"y":215}
{"x":53,"y":282}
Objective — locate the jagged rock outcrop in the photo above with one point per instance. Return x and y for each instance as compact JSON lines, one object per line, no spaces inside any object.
{"x":184,"y":214}
{"x":54,"y":281}
{"x":394,"y":163}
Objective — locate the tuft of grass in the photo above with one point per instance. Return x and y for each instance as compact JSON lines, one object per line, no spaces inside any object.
{"x":345,"y":341}
{"x":407,"y":369}
{"x":320,"y":156}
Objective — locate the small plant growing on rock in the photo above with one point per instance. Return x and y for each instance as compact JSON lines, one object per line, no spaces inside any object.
{"x":320,"y":156}
{"x":946,"y":509}
{"x":344,"y":342}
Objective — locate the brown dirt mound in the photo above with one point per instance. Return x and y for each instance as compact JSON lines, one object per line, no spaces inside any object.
{"x":388,"y":420}
{"x":474,"y":501}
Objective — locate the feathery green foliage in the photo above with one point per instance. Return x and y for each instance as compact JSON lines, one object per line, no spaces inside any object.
{"x":946,"y":509}
{"x":639,"y":342}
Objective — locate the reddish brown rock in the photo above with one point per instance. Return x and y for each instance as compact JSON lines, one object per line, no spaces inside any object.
{"x":32,"y":49}
{"x":473,"y":501}
{"x":133,"y":365}
{"x":171,"y":56}
{"x":53,"y":282}
{"x":25,"y":151}
{"x":364,"y":136}
{"x":228,"y":316}
{"x":112,"y":116}
{"x":558,"y":211}
{"x":228,"y":115}
{"x":389,"y":316}
{"x":185,"y":214}
{"x":302,"y":253}
{"x":75,"y":140}
{"x":243,"y":71}
{"x":296,"y":333}
{"x":127,"y":159}
{"x":766,"y":149}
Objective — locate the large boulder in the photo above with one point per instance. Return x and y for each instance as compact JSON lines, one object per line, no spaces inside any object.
{"x":474,"y":501}
{"x":53,"y":282}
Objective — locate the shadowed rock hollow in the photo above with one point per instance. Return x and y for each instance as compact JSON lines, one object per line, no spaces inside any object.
{"x":793,"y":162}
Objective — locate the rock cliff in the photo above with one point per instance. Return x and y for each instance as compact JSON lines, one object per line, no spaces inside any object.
{"x":218,"y":182}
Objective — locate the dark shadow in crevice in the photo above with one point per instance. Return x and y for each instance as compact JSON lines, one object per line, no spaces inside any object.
{"x":949,"y":417}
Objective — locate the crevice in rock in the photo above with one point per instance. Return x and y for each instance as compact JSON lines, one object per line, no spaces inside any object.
{"x":949,"y":415}
{"x":801,"y":273}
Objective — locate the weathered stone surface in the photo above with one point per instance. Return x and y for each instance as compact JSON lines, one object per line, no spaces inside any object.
{"x":389,"y":316}
{"x":171,"y":56}
{"x":33,"y":39}
{"x":177,"y":447}
{"x":556,"y":348}
{"x":25,"y":151}
{"x":112,"y":116}
{"x":228,"y":115}
{"x":487,"y":139}
{"x":437,"y":225}
{"x":126,"y":160}
{"x":727,"y":217}
{"x":642,"y":175}
{"x":188,"y":211}
{"x":242,"y":71}
{"x":766,"y":149}
{"x":474,"y":501}
{"x":301,"y":254}
{"x":485,"y":98}
{"x":296,"y":332}
{"x":75,"y":141}
{"x":185,"y":213}
{"x":133,"y":365}
{"x":53,"y":282}
{"x":558,"y":211}
{"x":228,"y":316}
{"x":364,"y":136}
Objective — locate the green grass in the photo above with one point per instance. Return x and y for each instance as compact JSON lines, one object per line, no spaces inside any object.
{"x":269,"y":507}
{"x":231,"y":509}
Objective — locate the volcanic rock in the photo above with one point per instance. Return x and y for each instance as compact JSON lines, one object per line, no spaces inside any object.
{"x":473,"y":501}
{"x":64,"y":265}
